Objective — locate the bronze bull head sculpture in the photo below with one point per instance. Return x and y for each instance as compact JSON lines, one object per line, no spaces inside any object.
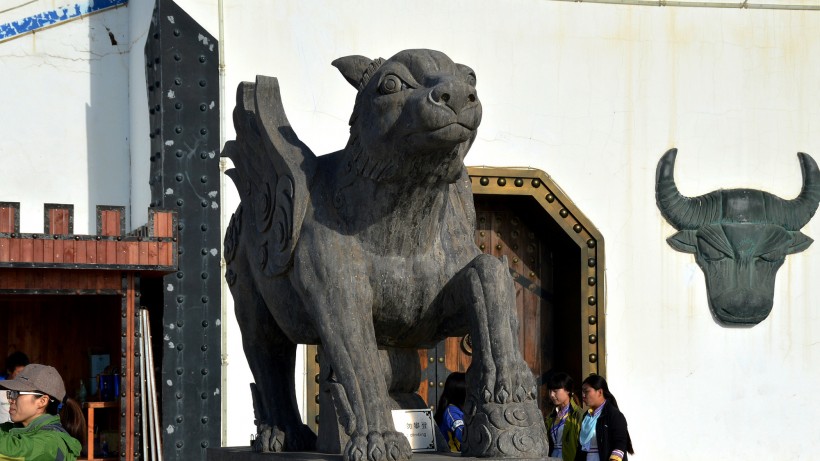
{"x":740,"y":237}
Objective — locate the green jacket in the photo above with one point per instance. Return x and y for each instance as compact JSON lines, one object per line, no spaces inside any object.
{"x":572,"y":430}
{"x":42,"y":440}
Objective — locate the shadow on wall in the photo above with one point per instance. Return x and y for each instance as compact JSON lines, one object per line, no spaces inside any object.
{"x":107,"y":114}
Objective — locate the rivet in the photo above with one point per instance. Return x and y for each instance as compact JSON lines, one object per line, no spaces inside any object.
{"x":203,"y":203}
{"x":518,"y":182}
{"x":180,"y":347}
{"x":177,"y":57}
{"x":179,"y":177}
{"x":177,"y":81}
{"x":532,"y":274}
{"x":203,"y":179}
{"x":316,"y":419}
{"x":178,"y":106}
{"x":176,"y":32}
{"x":316,"y":377}
{"x":498,"y":246}
{"x":180,"y":274}
{"x":178,"y":395}
{"x":180,"y":444}
{"x":591,"y":243}
{"x":180,"y":299}
{"x":515,"y":260}
{"x":204,"y":299}
{"x":481,"y":247}
{"x":204,"y":275}
{"x":484,"y":181}
{"x":203,"y":131}
{"x":180,"y":226}
{"x":536,"y":182}
{"x":593,"y":358}
{"x":593,"y":339}
{"x":178,"y":129}
{"x":550,"y":198}
{"x":204,"y":420}
{"x":592,"y":320}
{"x":180,"y":371}
{"x":564,"y":212}
{"x":591,"y":300}
{"x":204,"y":371}
{"x":203,"y":107}
{"x":204,"y":227}
{"x":592,"y":281}
{"x":204,"y":348}
{"x":180,"y":202}
{"x":591,"y":262}
{"x":203,"y":83}
{"x":204,"y":444}
{"x":180,"y":323}
{"x":179,"y":419}
{"x":204,"y":324}
{"x":577,"y":228}
{"x":203,"y":155}
{"x":502,"y":182}
{"x":202,"y":58}
{"x":178,"y":153}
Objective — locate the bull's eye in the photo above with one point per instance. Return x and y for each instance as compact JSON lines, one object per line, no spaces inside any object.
{"x":773,"y":256}
{"x":709,"y":252}
{"x":391,"y":84}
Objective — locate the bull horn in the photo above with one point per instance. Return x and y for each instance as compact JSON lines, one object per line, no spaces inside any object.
{"x":798,"y":211}
{"x":682,"y":212}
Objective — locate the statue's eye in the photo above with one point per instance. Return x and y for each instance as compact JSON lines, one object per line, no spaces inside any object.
{"x":471,"y":79}
{"x":773,"y":256}
{"x":709,"y":252}
{"x":391,"y":84}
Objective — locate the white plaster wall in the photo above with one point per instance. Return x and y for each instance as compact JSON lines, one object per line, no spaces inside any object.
{"x":593,"y":94}
{"x":64,"y":131}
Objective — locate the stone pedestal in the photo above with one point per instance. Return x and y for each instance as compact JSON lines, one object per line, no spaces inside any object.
{"x":245,"y":454}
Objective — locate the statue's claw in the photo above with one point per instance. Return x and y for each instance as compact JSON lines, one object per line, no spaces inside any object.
{"x":397,"y":446}
{"x":502,"y":396}
{"x":356,"y":448}
{"x":375,"y":447}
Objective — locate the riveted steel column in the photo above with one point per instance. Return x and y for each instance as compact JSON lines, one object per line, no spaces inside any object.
{"x":183,"y":95}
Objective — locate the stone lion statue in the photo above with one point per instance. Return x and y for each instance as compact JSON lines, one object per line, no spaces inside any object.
{"x":371,"y":249}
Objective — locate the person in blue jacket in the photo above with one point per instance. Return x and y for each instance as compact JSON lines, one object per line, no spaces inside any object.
{"x":449,"y":412}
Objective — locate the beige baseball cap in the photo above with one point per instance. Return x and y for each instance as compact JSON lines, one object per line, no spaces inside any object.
{"x":36,"y":377}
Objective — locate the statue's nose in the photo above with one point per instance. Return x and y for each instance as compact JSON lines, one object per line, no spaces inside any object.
{"x":453,"y":94}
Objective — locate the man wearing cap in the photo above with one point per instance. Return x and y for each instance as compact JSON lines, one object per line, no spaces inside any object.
{"x":46,"y":425}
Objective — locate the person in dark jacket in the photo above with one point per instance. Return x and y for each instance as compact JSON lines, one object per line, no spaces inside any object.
{"x":604,"y":434}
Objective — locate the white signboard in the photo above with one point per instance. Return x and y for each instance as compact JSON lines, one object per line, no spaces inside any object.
{"x":418,"y":426}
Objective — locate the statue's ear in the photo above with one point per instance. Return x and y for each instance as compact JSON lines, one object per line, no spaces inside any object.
{"x":800,"y":242}
{"x":352,"y":68}
{"x":684,"y":241}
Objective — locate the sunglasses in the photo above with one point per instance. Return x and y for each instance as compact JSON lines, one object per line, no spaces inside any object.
{"x":12,"y":395}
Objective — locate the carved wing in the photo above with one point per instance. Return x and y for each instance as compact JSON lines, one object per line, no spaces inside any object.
{"x":273,"y":170}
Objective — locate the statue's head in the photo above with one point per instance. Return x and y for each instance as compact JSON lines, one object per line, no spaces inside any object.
{"x":416,"y":112}
{"x":739,"y":237}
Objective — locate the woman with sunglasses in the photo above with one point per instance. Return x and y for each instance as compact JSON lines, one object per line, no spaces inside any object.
{"x":46,"y":425}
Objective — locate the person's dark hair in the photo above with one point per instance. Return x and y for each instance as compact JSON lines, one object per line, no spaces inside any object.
{"x":561,"y":380}
{"x":14,"y":360}
{"x":71,"y":417}
{"x":455,"y":393}
{"x":598,"y":383}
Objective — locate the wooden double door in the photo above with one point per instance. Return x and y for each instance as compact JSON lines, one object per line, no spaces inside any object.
{"x":511,"y":230}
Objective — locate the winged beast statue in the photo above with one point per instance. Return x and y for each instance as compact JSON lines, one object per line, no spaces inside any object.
{"x":372,"y":248}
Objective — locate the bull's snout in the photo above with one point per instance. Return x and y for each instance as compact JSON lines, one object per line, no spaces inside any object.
{"x":742,"y":306}
{"x":453,"y":94}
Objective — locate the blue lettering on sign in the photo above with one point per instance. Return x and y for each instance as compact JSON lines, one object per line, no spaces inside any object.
{"x":50,"y":18}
